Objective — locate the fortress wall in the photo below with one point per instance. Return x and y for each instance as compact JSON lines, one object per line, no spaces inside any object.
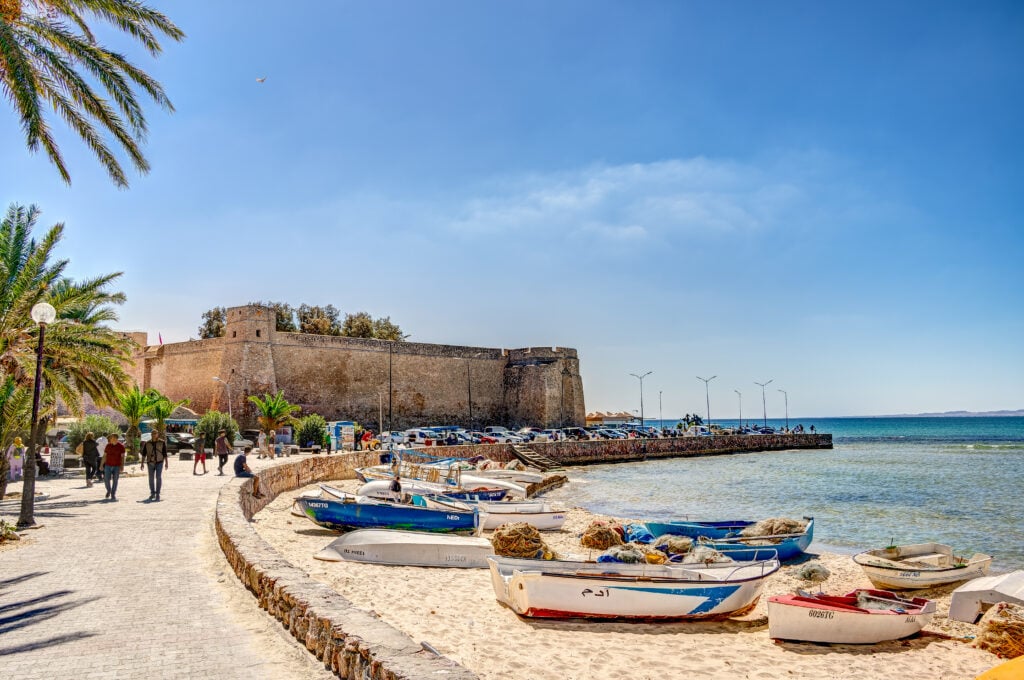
{"x":184,"y":370}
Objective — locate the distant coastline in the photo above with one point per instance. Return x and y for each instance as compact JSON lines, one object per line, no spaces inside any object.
{"x":957,"y":414}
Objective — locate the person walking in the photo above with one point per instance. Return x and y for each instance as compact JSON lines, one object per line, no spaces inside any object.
{"x":275,"y":448}
{"x":113,"y":465}
{"x":154,"y":459}
{"x":199,"y":446}
{"x":261,"y":444}
{"x":91,"y":457}
{"x":101,"y":446}
{"x":223,"y":449}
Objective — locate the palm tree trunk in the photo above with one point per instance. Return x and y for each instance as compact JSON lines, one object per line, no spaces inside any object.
{"x":28,"y":490}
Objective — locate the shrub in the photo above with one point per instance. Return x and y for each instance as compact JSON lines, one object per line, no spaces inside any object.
{"x":101,"y":426}
{"x":312,"y":428}
{"x":213,"y":422}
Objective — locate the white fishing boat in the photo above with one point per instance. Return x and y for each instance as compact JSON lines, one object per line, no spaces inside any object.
{"x":409,"y":548}
{"x":539,"y":514}
{"x":920,"y":565}
{"x":973,"y":598}
{"x":862,"y":617}
{"x":516,"y":476}
{"x":563,"y":589}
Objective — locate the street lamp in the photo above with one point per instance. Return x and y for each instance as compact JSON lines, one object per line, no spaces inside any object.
{"x":707,"y":396}
{"x":661,"y":422}
{"x":740,"y":394}
{"x":785,"y":394}
{"x":228,"y":385}
{"x":42,"y":313}
{"x":641,"y":379}
{"x":763,"y":403}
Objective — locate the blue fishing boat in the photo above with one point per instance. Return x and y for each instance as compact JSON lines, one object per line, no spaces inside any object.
{"x":725,"y":529}
{"x":788,"y":546}
{"x":349,"y":512}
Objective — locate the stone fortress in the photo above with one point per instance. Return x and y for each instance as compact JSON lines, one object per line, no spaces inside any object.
{"x":403,"y":384}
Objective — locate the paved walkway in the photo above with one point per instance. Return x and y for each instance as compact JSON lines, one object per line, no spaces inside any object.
{"x":132,"y":589}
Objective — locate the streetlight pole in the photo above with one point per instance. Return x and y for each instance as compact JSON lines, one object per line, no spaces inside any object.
{"x":740,"y":394}
{"x":227,"y":385}
{"x":786,"y":395}
{"x":661,"y":422}
{"x":391,"y":424}
{"x":641,"y":379}
{"x":707,"y":396}
{"x":42,"y":313}
{"x":764,"y":406}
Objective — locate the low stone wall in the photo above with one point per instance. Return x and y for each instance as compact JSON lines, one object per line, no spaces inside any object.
{"x":351,"y":642}
{"x":624,"y":450}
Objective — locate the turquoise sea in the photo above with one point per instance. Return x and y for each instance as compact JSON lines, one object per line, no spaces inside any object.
{"x":958,"y":481}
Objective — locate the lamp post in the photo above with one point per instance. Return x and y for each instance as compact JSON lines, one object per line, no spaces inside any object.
{"x":661,"y":421}
{"x":786,"y":395}
{"x":42,"y":313}
{"x":227,"y":385}
{"x":391,"y":424}
{"x":740,"y":394}
{"x":707,"y":396}
{"x":764,"y":407}
{"x":641,"y":379}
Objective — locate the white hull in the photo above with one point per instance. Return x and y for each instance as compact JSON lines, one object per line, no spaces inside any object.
{"x":564,"y":589}
{"x":518,"y":476}
{"x":809,"y":623}
{"x":543,"y":521}
{"x":408,"y":548}
{"x":970,"y":599}
{"x":918,"y":566}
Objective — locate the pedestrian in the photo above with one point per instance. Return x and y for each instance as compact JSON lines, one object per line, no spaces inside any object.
{"x":242,"y":470}
{"x":16,"y":457}
{"x":154,"y":459}
{"x":275,"y":447}
{"x":101,"y":446}
{"x":261,"y":444}
{"x":223,"y":449}
{"x":113,"y":465}
{"x":90,"y":456}
{"x":327,"y":443}
{"x":199,"y":446}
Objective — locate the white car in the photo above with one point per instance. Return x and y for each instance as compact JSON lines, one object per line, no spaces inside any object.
{"x":496,"y":429}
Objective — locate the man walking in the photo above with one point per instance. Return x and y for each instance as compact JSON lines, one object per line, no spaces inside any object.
{"x":154,"y":457}
{"x":199,"y":446}
{"x":223,"y":449}
{"x":113,"y":464}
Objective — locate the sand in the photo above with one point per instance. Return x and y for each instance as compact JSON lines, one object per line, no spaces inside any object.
{"x":456,"y":612}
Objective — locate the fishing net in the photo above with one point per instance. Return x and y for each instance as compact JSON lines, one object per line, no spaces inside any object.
{"x":673,"y":545}
{"x":773,"y":526}
{"x":519,"y":539}
{"x":702,"y":554}
{"x":601,"y":535}
{"x":1001,"y":630}
{"x":814,"y":572}
{"x":632,"y":553}
{"x":514,"y":465}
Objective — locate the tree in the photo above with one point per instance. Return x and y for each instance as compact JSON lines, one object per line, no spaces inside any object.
{"x":383,"y":329}
{"x":214,"y":321}
{"x":317,"y":320}
{"x":101,"y":426}
{"x":274,"y":411}
{"x":81,"y":354}
{"x":134,"y":405}
{"x":51,"y":59}
{"x":312,"y":428}
{"x":162,"y":407}
{"x":15,"y":412}
{"x":358,"y":325}
{"x":212,"y":422}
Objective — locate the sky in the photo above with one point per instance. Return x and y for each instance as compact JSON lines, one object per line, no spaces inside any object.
{"x":825,"y":195}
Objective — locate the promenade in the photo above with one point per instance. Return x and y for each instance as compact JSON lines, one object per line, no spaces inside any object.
{"x":133,"y":589}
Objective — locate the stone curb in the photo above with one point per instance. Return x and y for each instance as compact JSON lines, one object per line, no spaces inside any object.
{"x":351,"y":642}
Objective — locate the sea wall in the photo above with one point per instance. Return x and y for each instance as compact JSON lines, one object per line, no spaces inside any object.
{"x":351,"y":642}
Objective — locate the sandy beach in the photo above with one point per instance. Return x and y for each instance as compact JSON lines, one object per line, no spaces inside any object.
{"x":455,"y":611}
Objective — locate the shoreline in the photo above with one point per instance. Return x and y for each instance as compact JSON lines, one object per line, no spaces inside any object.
{"x":455,"y":611}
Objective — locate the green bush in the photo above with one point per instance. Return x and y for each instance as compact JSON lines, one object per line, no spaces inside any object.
{"x":101,"y":426}
{"x":213,"y":422}
{"x":312,"y":428}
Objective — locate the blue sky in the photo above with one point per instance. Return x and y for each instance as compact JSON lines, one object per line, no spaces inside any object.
{"x":824,"y":194}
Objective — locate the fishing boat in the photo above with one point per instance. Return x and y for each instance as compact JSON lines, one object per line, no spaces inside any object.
{"x":788,"y":546}
{"x":920,"y":565}
{"x":561,"y":589}
{"x":382,"y":489}
{"x":538,"y":514}
{"x":862,"y":617}
{"x":348,"y":512}
{"x":409,"y":548}
{"x":724,"y":529}
{"x":973,"y":598}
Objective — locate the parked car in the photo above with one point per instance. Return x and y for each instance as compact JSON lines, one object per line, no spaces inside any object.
{"x":576,"y":433}
{"x":494,"y":429}
{"x":483,"y":438}
{"x":176,"y":441}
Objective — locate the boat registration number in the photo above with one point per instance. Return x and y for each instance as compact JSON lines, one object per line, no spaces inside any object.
{"x":453,"y":517}
{"x":820,"y":614}
{"x":455,"y":558}
{"x":313,"y":504}
{"x":910,"y":574}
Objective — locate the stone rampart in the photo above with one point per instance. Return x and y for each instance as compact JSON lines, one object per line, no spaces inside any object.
{"x":351,"y":642}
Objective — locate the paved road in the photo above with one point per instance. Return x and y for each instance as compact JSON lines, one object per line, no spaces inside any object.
{"x":134,"y":590}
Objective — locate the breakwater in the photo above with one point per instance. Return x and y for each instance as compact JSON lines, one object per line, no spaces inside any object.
{"x":628,"y":450}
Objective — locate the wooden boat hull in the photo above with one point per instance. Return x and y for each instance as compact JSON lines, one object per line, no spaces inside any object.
{"x":642,"y":592}
{"x":550,"y":520}
{"x":362,"y":513}
{"x":837,"y":620}
{"x":910,"y":567}
{"x":409,"y":548}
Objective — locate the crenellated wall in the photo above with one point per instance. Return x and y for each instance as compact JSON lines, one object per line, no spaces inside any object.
{"x":374,"y":382}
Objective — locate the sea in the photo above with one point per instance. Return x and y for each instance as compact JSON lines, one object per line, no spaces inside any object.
{"x":952,"y":480}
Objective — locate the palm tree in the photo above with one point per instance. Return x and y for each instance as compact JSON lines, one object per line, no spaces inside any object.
{"x":161,"y":408}
{"x":134,"y":405}
{"x":50,"y":57}
{"x":15,"y":411}
{"x":274,"y":411}
{"x":81,"y":355}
